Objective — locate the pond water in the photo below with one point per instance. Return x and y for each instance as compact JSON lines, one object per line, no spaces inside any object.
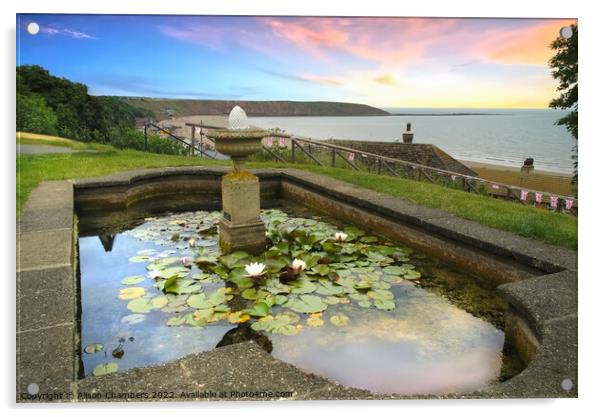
{"x":365,"y":312}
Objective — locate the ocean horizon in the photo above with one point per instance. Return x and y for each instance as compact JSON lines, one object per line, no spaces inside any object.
{"x":483,"y":135}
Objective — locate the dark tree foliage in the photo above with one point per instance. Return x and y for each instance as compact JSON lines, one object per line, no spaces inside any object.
{"x":58,"y":106}
{"x":564,"y":69}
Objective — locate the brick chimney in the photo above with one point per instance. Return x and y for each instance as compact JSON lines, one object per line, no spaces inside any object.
{"x":408,"y":135}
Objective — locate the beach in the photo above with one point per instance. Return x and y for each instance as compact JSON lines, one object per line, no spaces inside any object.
{"x":540,"y":180}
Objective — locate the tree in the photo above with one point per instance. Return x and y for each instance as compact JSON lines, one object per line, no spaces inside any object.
{"x":34,"y":115}
{"x":564,"y":69}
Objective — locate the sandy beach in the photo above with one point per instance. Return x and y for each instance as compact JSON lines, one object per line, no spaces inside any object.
{"x":553,"y":182}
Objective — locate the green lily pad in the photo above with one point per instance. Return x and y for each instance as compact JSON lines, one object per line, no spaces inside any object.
{"x":186,"y":319}
{"x":134,"y":279}
{"x":383,"y":304}
{"x":105,"y":368}
{"x":321,"y":269}
{"x":394,"y":270}
{"x":275,"y":287}
{"x":139,"y":258}
{"x":181,"y":286}
{"x":280,"y":299}
{"x":235,"y":259}
{"x":238,"y":277}
{"x":411,"y":275}
{"x":140,"y":305}
{"x":306,"y":304}
{"x":259,"y":309}
{"x":328,"y":288}
{"x":332,"y":300}
{"x":302,"y":286}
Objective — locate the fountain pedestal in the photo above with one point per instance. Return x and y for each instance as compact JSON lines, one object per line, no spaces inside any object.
{"x":241,"y":227}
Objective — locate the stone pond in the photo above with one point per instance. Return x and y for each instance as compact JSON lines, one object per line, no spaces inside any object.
{"x":414,"y":302}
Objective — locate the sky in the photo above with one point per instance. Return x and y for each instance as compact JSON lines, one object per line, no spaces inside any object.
{"x":382,"y":61}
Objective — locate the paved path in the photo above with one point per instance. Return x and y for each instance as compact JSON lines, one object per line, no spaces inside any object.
{"x":45,"y":149}
{"x":40,"y":149}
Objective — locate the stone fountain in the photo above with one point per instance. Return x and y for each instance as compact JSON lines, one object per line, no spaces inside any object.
{"x":241,"y":227}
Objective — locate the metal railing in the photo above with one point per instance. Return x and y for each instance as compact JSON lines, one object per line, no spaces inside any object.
{"x":297,"y":149}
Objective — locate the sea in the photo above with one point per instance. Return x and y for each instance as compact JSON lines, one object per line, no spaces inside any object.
{"x":492,"y":136}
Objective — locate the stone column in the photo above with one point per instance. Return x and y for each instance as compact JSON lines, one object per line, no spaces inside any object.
{"x":241,"y":227}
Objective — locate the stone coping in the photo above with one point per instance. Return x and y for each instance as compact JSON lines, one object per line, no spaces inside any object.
{"x":48,"y":345}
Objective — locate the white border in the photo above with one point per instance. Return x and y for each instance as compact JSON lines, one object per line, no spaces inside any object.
{"x":589,"y":197}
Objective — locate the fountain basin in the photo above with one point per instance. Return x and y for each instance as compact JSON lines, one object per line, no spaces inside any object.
{"x":534,"y":274}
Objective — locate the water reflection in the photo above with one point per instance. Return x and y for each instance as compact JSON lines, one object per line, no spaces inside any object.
{"x":426,"y":345}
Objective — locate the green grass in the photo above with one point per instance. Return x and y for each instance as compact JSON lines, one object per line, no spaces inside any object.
{"x":34,"y":169}
{"x":555,"y":228}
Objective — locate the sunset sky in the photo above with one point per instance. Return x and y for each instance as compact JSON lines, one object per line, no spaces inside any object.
{"x":385,"y":62}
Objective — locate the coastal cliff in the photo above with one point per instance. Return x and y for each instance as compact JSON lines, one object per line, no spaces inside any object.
{"x":165,"y":108}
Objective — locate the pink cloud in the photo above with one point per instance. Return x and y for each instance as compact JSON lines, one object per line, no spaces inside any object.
{"x":525,"y":46}
{"x":383,"y":40}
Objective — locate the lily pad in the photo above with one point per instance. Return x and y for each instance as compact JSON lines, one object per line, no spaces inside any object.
{"x":238,"y":317}
{"x":321,"y":269}
{"x":259,"y":309}
{"x":306,"y":304}
{"x":315,"y":321}
{"x":105,"y":368}
{"x":412,"y":275}
{"x":328,"y":288}
{"x":134,"y":279}
{"x":339,"y":320}
{"x":131,"y":292}
{"x":139,"y":258}
{"x":140,"y":305}
{"x":93,"y":348}
{"x":302,"y":286}
{"x":237,"y":258}
{"x":383,"y":304}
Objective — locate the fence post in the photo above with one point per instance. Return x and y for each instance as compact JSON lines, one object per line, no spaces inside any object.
{"x":380,"y":165}
{"x":193,"y":128}
{"x":145,"y":137}
{"x":293,"y":150}
{"x":334,"y":157}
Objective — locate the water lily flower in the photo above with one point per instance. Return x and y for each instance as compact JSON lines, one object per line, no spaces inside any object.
{"x":255,"y":269}
{"x":340,"y":237}
{"x":298,"y":265}
{"x":186,"y":261}
{"x":192,"y":243}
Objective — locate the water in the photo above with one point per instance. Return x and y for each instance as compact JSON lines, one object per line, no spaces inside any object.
{"x":496,"y":136}
{"x":427,"y":344}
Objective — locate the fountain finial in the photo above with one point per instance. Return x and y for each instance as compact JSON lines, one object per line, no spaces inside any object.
{"x":237,"y":120}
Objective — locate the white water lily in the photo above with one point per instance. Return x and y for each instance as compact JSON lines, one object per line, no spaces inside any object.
{"x":255,"y":269}
{"x":340,"y":236}
{"x":298,"y":265}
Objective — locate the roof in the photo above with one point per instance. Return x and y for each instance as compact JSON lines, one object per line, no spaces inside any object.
{"x":419,"y":153}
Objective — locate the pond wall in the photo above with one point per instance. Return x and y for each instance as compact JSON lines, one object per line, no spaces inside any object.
{"x":538,"y":280}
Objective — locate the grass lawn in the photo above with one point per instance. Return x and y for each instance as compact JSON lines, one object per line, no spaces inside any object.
{"x":555,"y":228}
